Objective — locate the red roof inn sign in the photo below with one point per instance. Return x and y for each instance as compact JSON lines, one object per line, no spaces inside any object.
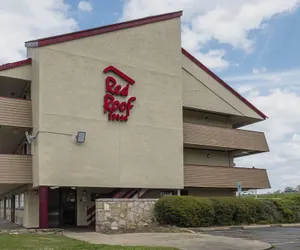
{"x":117,"y":110}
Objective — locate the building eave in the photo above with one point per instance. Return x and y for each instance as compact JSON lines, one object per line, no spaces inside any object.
{"x":223,"y":83}
{"x":15,"y":64}
{"x":101,"y":30}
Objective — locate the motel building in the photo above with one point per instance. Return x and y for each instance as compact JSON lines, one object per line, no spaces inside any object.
{"x":120,"y":111}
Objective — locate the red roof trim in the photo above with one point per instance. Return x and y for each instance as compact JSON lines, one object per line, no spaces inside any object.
{"x":15,"y":64}
{"x":101,"y":30}
{"x":224,"y":84}
{"x":120,"y":73}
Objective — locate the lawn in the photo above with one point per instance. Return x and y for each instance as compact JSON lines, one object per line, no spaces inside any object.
{"x":56,"y":242}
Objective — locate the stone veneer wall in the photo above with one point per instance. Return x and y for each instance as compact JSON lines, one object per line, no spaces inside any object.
{"x":113,"y":215}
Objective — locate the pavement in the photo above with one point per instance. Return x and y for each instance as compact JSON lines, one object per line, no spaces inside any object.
{"x":189,"y":241}
{"x":281,"y":238}
{"x":7,"y":225}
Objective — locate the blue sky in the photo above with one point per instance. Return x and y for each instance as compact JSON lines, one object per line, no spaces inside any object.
{"x":273,"y":48}
{"x":251,"y":44}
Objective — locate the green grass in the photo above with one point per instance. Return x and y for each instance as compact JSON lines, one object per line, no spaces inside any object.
{"x":57,"y":242}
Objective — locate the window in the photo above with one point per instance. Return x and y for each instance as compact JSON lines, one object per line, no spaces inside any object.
{"x":1,"y":203}
{"x":7,"y":202}
{"x":17,"y":202}
{"x":22,"y":201}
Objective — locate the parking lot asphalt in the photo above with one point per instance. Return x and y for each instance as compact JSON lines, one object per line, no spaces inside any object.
{"x":282,"y":238}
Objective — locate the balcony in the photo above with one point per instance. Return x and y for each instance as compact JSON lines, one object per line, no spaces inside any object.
{"x":225,"y":177}
{"x":240,"y":142}
{"x":17,"y":70}
{"x":15,"y":169}
{"x":15,"y":112}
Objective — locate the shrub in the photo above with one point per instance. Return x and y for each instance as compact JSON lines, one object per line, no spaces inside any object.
{"x":184,"y":211}
{"x":268,"y":213}
{"x":224,"y":210}
{"x":187,"y":211}
{"x":289,"y":209}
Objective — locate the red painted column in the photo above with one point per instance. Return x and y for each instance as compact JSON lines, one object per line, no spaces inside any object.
{"x":43,"y":207}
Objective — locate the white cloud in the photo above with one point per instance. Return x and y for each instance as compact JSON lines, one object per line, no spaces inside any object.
{"x":24,"y":20}
{"x":256,"y":71}
{"x":226,"y":21}
{"x":296,"y":137}
{"x":85,"y":6}
{"x":244,"y":89}
{"x":213,"y":59}
{"x":281,"y":103}
{"x":268,"y":80}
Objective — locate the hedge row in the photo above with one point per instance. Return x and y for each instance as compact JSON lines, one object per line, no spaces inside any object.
{"x":187,"y":211}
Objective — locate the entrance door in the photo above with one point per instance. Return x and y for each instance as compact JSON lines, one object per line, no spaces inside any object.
{"x":4,"y":215}
{"x":68,"y":207}
{"x":13,"y":209}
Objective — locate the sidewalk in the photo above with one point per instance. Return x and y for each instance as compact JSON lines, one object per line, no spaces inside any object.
{"x":253,"y":226}
{"x":7,"y":225}
{"x":191,"y":241}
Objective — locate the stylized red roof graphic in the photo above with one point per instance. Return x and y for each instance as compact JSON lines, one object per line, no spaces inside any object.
{"x":119,"y":73}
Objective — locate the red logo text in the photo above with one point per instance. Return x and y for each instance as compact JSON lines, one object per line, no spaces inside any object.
{"x":118,"y":110}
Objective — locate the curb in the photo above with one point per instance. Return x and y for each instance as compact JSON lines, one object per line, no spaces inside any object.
{"x":207,"y":229}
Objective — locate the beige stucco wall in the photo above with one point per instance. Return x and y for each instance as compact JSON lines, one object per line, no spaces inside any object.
{"x":140,"y":153}
{"x":31,"y":209}
{"x":209,"y":119}
{"x":201,"y":91}
{"x":207,"y":158}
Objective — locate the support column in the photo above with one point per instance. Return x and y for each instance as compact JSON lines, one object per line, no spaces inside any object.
{"x":43,"y":207}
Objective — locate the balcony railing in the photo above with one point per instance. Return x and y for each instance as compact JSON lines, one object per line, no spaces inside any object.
{"x":225,"y":177}
{"x":15,"y":112}
{"x":201,"y":136}
{"x":15,"y":169}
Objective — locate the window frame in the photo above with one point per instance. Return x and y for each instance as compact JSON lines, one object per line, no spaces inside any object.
{"x":21,"y":201}
{"x":17,"y":202}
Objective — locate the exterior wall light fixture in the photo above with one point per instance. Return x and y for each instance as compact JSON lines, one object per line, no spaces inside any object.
{"x":29,"y":138}
{"x":80,"y":137}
